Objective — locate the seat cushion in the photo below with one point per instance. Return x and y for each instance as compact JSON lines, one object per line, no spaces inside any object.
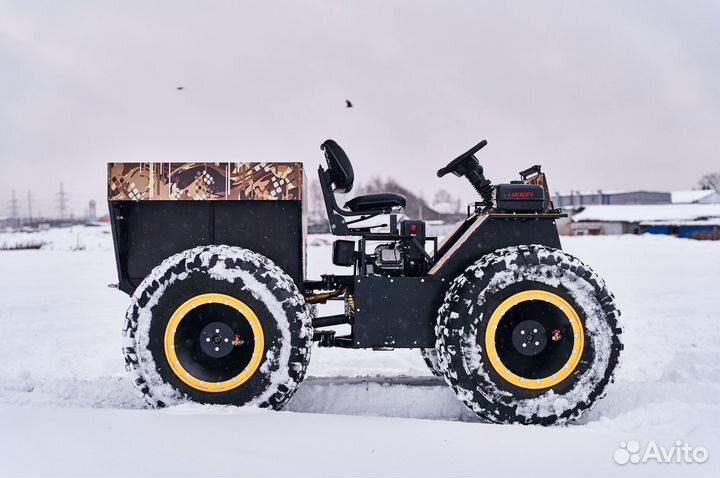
{"x":380,"y":201}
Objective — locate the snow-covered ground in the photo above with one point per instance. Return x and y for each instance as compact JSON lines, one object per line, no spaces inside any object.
{"x":68,"y":409}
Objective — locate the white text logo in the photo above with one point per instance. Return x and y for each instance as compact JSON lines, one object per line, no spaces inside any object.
{"x":630,"y":452}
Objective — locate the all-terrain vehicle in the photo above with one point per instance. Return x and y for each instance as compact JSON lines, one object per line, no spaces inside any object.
{"x":213,"y":255}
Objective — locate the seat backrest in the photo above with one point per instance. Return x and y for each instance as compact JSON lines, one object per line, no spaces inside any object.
{"x":339,"y":167}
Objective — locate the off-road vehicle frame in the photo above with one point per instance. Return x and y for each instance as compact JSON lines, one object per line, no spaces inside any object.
{"x":214,"y":255}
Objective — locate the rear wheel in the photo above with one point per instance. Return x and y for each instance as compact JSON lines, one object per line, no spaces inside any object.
{"x":431,"y":360}
{"x":528,"y":334}
{"x":217,"y":324}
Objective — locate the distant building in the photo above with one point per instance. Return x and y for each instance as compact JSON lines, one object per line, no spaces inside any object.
{"x":697,"y":221}
{"x":578,"y":199}
{"x":603,"y":228}
{"x":701,"y":196}
{"x":704,"y":230}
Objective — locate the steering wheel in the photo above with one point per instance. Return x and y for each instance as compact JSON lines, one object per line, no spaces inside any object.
{"x":463,"y":163}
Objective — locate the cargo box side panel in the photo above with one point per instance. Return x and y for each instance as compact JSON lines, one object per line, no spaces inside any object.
{"x":149,"y":232}
{"x":205,"y":181}
{"x":130,"y":181}
{"x":193,"y":182}
{"x":159,"y":229}
{"x":270,"y":228}
{"x":160,"y":209}
{"x":266,"y":181}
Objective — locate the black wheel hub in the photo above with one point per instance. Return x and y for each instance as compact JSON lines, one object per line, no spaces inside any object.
{"x":524,"y":344}
{"x":214,"y":342}
{"x":529,"y":337}
{"x":216,"y":339}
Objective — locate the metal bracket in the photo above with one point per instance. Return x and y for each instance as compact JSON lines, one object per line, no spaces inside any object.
{"x":325,"y":338}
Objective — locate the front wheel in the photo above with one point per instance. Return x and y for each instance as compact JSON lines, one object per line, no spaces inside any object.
{"x":529,"y":335}
{"x":219,"y":325}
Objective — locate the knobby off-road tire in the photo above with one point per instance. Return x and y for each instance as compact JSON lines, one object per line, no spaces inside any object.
{"x":431,"y":360}
{"x":218,"y":325}
{"x":547,"y":300}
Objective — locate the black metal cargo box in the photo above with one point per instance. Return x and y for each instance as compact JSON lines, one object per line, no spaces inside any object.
{"x":159,"y":209}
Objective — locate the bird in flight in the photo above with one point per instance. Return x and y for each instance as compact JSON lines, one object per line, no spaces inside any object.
{"x":180,"y":88}
{"x":348,"y":104}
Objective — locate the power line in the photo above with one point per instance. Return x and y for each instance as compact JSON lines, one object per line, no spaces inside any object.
{"x":62,"y":201}
{"x":13,"y":206}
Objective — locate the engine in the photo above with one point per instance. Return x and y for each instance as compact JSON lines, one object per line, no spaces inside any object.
{"x":404,"y":257}
{"x":388,"y":260}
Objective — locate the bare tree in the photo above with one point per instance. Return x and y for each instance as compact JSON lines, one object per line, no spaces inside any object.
{"x":315,"y":198}
{"x":710,"y":181}
{"x":447,"y":202}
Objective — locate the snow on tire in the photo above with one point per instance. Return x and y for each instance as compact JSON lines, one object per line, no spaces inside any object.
{"x":431,"y":360}
{"x":528,"y":334}
{"x":219,"y":325}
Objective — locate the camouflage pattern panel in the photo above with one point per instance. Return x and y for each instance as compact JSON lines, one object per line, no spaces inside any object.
{"x":161,"y":181}
{"x":266,"y":181}
{"x":198,"y":181}
{"x":129,"y":181}
{"x":205,"y":181}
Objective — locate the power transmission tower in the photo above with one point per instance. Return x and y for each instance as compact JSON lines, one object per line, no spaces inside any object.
{"x":29,"y":206}
{"x":14,"y":209}
{"x":62,"y":202}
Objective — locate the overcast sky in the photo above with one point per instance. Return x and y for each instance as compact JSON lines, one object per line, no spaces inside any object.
{"x":605,"y":95}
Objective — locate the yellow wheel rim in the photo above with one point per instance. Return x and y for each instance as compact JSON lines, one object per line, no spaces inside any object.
{"x":565,"y":370}
{"x":239,"y":379}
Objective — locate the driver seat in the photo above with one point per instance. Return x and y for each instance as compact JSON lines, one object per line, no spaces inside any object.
{"x":339,"y":177}
{"x":368,"y":202}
